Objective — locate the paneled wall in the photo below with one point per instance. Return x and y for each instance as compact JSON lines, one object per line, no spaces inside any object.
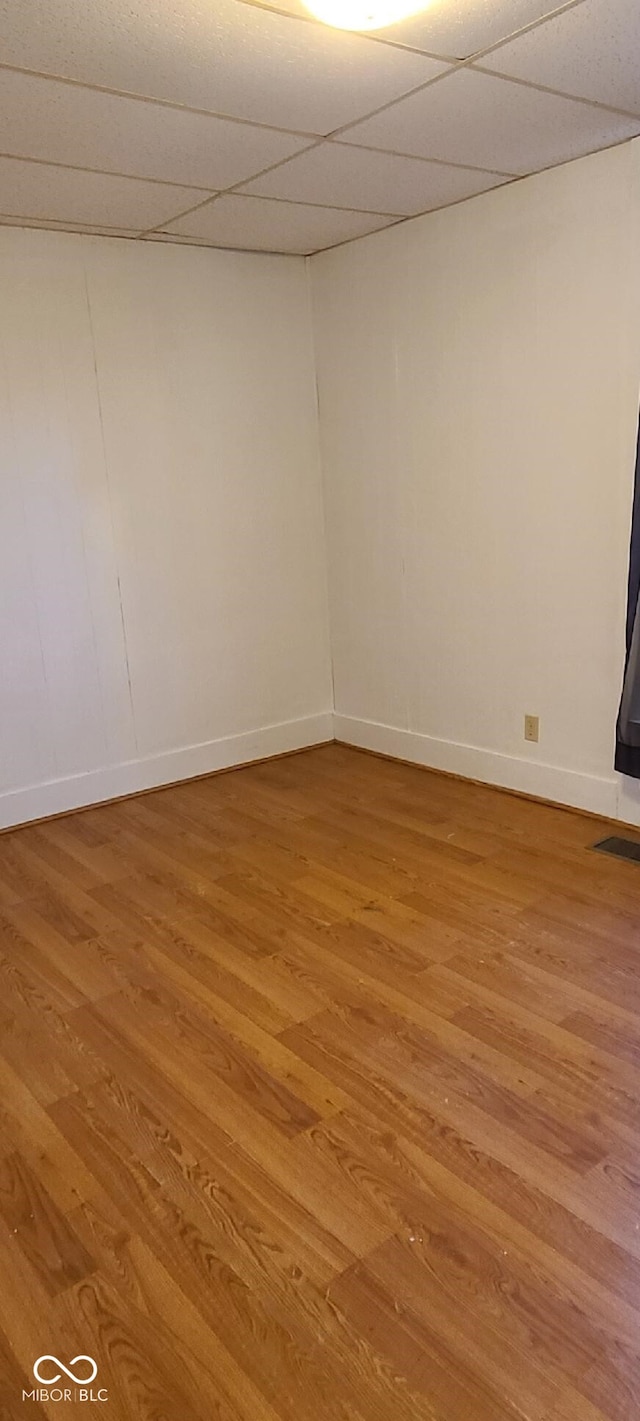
{"x":162,"y":577}
{"x":479,"y":380}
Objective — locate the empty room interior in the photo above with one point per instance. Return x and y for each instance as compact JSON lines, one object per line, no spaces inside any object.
{"x":320,"y":710}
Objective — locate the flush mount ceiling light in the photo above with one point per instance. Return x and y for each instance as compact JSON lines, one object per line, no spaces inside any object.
{"x":364,"y":14}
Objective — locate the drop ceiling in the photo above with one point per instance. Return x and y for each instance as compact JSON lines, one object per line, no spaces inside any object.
{"x":249,"y":125}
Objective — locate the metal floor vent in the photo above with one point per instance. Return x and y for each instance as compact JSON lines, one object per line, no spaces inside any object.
{"x":620,"y":848}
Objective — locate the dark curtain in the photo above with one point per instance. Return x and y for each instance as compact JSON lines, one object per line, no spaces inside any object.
{"x":628,"y":729}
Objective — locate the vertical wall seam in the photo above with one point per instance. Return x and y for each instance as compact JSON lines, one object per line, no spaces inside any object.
{"x":32,"y":579}
{"x":321,"y":471}
{"x":111,"y":518}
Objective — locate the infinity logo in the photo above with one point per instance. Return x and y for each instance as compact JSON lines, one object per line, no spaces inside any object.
{"x":49,"y":1381}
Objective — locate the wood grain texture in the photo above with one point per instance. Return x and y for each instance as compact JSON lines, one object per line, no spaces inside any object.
{"x":320,"y":1097}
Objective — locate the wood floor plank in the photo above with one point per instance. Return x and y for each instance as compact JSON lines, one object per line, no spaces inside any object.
{"x":38,"y":1227}
{"x":463,"y":1335}
{"x":28,"y":1128}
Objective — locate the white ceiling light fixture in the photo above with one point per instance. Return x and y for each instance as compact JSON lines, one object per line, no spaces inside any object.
{"x":364,"y":14}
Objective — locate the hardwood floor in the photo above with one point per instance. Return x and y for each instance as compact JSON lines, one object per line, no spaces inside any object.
{"x":320,"y":1101}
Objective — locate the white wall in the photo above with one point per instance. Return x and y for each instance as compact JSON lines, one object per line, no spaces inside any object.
{"x":162,"y":578}
{"x":479,"y":377}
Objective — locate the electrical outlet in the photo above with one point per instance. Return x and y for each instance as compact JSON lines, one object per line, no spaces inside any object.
{"x":532,"y":728}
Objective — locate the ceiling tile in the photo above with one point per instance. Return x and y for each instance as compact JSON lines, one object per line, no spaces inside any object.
{"x":63,"y":123}
{"x":341,"y":176}
{"x":37,"y":190}
{"x":256,"y":224}
{"x":454,"y":29}
{"x":491,"y":123}
{"x":592,"y":52}
{"x":220,"y":55}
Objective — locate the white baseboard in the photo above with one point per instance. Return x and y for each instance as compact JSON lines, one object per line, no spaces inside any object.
{"x":612,"y":797}
{"x":19,"y":806}
{"x":581,"y":791}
